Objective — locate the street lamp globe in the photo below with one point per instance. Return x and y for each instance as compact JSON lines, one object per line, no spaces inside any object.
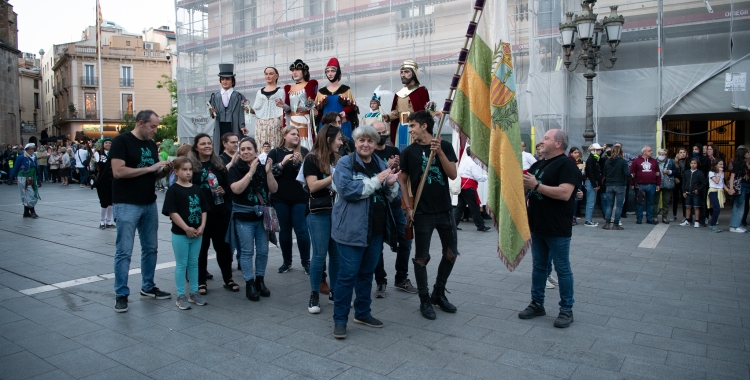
{"x":585,"y":23}
{"x":613,"y":23}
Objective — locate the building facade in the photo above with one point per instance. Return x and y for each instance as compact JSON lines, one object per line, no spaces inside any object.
{"x":30,"y":97}
{"x":670,"y":69}
{"x":131,"y":67}
{"x":10,"y":121}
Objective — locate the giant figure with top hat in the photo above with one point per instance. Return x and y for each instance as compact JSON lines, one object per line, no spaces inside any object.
{"x":226,"y":107}
{"x":412,"y":97}
{"x":337,"y":98}
{"x":298,"y":101}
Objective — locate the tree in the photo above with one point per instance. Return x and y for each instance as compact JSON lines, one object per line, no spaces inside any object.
{"x":168,"y":127}
{"x":128,"y":123}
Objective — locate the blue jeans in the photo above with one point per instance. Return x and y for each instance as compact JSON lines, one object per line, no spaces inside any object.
{"x":738,"y":207}
{"x":186,"y":250}
{"x":322,"y":244}
{"x":606,"y":202}
{"x":83,"y":175}
{"x":558,"y":248}
{"x":402,"y":253}
{"x":292,"y":215}
{"x":650,"y":190}
{"x":590,"y":200}
{"x":43,"y":173}
{"x":616,"y":195}
{"x":249,"y":234}
{"x":129,"y":218}
{"x":355,"y":276}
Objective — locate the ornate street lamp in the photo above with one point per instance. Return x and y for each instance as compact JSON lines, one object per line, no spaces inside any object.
{"x":590,"y":33}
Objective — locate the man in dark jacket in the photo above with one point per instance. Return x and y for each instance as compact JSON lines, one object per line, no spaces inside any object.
{"x":645,"y":172}
{"x":704,"y":165}
{"x":617,"y":174}
{"x":593,"y":181}
{"x":693,"y":181}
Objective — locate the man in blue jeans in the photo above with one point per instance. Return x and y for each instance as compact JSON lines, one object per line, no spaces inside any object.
{"x":647,"y":177}
{"x":136,"y":167}
{"x":551,"y":183}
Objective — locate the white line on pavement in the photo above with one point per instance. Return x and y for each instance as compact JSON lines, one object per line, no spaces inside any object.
{"x":654,"y":237}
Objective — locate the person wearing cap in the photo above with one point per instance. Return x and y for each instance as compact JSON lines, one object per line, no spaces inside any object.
{"x":337,"y":98}
{"x":104,"y":184}
{"x":299,"y":100}
{"x":593,"y":182}
{"x":26,"y":168}
{"x":374,"y":114}
{"x":226,"y":107}
{"x":413,"y":97}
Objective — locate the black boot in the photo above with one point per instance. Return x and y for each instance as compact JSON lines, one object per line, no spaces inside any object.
{"x":26,"y":213}
{"x":425,"y":306}
{"x":33,"y":213}
{"x":250,"y":292}
{"x":261,"y":287}
{"x":438,"y":299}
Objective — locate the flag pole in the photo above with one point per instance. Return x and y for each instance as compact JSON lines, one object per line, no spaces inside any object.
{"x":463,"y":54}
{"x":99,"y":59}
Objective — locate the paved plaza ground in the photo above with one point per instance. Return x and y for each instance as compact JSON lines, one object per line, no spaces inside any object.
{"x":680,"y":310}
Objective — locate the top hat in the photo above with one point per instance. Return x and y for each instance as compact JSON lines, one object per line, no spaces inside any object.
{"x":226,"y":70}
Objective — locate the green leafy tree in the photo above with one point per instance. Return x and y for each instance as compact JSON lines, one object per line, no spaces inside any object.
{"x":168,"y":127}
{"x":128,"y":123}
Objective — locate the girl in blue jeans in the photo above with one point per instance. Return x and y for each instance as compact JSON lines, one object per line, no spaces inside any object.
{"x":318,"y":169}
{"x":252,"y":185}
{"x":186,"y":205}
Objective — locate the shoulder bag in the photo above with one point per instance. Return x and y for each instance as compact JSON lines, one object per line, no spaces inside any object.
{"x":667,"y":181}
{"x":270,"y":220}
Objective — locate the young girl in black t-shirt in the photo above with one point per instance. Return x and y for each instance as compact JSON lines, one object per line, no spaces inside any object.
{"x":186,"y":205}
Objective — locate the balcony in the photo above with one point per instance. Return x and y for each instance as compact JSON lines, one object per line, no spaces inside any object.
{"x":88,"y":81}
{"x":91,"y":114}
{"x":126,"y":82}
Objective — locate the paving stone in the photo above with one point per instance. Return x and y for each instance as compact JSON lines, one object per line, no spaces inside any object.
{"x":203,"y":351}
{"x":360,"y":374}
{"x":73,"y":327}
{"x":592,"y":358}
{"x":538,"y":363}
{"x":726,"y":354}
{"x":258,"y":348}
{"x":81,"y":362}
{"x":186,"y":370}
{"x":641,"y":327}
{"x":386,"y":362}
{"x":312,"y":366}
{"x":241,"y":366}
{"x":119,"y":372}
{"x":411,"y":370}
{"x":47,"y":345}
{"x":584,"y":372}
{"x":711,"y":366}
{"x":312,"y":343}
{"x":7,"y":347}
{"x":491,"y":370}
{"x":105,"y":341}
{"x":22,"y":365}
{"x":733,"y":342}
{"x":143,"y":358}
{"x":22,"y":329}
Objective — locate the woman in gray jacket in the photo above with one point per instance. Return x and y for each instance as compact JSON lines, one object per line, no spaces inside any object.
{"x":365,"y":187}
{"x":616,"y":173}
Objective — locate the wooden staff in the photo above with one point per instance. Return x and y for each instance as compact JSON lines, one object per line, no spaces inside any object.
{"x":462,"y":56}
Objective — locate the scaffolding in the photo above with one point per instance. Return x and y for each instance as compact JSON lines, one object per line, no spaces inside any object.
{"x":671,"y":61}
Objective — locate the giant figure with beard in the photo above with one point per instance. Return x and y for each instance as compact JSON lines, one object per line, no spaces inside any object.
{"x":412,"y":97}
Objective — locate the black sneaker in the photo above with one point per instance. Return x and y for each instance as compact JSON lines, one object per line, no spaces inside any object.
{"x":314,"y":305}
{"x":531,"y":311}
{"x":369,"y":321}
{"x":285,"y":267}
{"x":564,"y":319}
{"x":652,"y":222}
{"x":483,"y":229}
{"x":380,"y":291}
{"x":306,"y":267}
{"x":339,"y":331}
{"x":156,"y":293}
{"x":407,"y":287}
{"x":121,"y":304}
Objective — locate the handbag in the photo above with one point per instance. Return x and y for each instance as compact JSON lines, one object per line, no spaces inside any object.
{"x":270,"y":220}
{"x":321,"y":204}
{"x":667,"y":181}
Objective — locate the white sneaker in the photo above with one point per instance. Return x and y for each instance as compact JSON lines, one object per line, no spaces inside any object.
{"x":549,"y":285}
{"x":620,"y":223}
{"x":552,"y":280}
{"x":697,"y":225}
{"x":738,"y":230}
{"x":685,"y":223}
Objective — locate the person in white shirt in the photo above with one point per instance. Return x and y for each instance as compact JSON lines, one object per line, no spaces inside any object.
{"x":471,"y":174}
{"x":527,"y":159}
{"x":82,"y":156}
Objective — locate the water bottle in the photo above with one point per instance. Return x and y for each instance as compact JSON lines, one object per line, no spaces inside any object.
{"x":213,"y":183}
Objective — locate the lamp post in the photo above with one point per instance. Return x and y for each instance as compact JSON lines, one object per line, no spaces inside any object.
{"x":590,"y":33}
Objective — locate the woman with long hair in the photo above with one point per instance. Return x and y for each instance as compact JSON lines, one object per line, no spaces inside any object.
{"x":318,"y":171}
{"x":104,"y":184}
{"x":290,"y":201}
{"x":617,"y":172}
{"x":269,"y":116}
{"x":740,"y":172}
{"x":252,"y":185}
{"x":210,"y":174}
{"x":716,"y":189}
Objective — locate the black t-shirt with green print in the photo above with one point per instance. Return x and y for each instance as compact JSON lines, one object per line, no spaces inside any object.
{"x":436,"y":196}
{"x":137,"y":154}
{"x":188,"y":202}
{"x":249,"y":196}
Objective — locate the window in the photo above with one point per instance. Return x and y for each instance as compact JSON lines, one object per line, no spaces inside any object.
{"x":126,"y":76}
{"x":89,"y":79}
{"x":36,"y":84}
{"x":127,"y":43}
{"x":127,"y":104}
{"x":36,"y":100}
{"x":90,"y":104}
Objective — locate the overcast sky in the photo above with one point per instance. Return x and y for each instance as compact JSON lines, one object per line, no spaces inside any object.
{"x":42,"y":23}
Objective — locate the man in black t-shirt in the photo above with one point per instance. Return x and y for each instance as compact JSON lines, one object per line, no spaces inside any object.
{"x":136,"y":167}
{"x":551,"y":183}
{"x":434,"y":209}
{"x":390,"y":155}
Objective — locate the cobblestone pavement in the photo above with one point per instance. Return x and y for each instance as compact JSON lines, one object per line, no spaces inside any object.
{"x":678,"y":311}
